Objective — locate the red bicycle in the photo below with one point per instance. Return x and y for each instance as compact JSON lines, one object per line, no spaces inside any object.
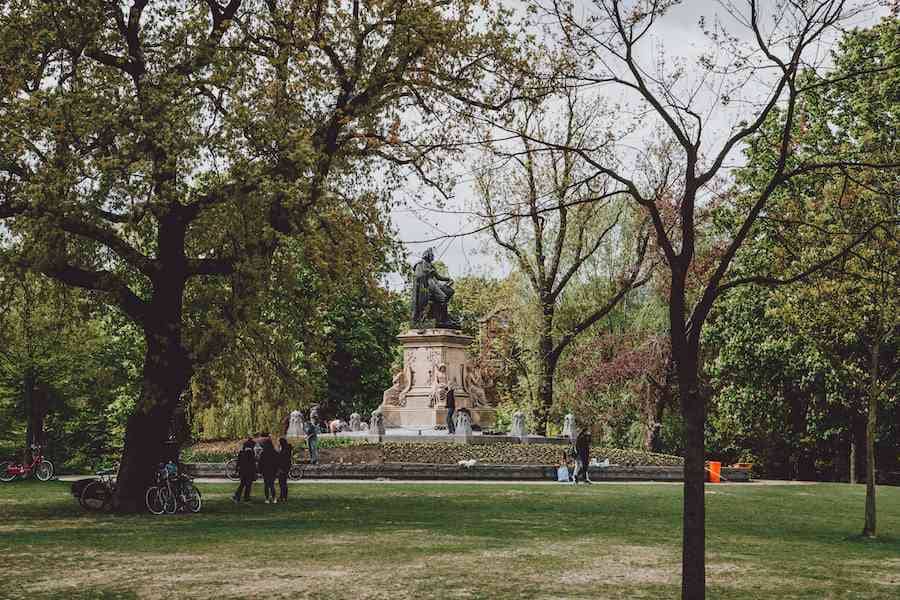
{"x":43,"y":468}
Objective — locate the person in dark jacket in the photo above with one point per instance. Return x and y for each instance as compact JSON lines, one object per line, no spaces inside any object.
{"x":246,"y":471}
{"x":583,"y":452}
{"x":451,"y":406}
{"x":268,"y":466}
{"x":284,"y":467}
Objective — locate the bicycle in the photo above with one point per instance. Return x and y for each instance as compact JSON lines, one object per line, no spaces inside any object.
{"x":98,"y":494}
{"x":42,"y":468}
{"x":173,"y":491}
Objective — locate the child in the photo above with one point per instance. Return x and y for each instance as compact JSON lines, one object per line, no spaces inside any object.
{"x":246,"y":471}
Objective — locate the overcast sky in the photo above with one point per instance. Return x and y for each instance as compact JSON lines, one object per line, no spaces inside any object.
{"x":678,"y":35}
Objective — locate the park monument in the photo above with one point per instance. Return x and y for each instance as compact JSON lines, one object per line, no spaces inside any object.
{"x":435,"y":359}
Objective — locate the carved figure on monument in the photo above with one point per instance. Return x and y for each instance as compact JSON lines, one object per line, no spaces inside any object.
{"x":295,"y":426}
{"x":569,"y":427}
{"x":431,"y":294}
{"x":354,"y":422}
{"x":394,"y":395}
{"x":475,"y":386}
{"x":439,"y":386}
{"x":518,"y":425}
{"x":377,"y":423}
{"x":463,"y":422}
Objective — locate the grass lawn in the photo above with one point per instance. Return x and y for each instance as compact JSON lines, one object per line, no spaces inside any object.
{"x":368,"y":540}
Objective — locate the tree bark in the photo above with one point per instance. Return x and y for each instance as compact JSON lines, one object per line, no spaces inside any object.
{"x":546,"y":371}
{"x":693,"y":558}
{"x":167,"y":371}
{"x":869,"y":528}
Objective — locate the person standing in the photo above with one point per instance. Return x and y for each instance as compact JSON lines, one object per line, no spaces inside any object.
{"x":312,"y":438}
{"x":284,"y":468}
{"x":268,"y":465}
{"x":451,"y":406}
{"x":246,"y":471}
{"x":583,"y":455}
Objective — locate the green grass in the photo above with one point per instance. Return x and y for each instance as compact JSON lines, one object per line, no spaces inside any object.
{"x":349,"y":540}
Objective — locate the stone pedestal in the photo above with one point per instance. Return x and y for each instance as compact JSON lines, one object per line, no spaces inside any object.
{"x":411,"y":402}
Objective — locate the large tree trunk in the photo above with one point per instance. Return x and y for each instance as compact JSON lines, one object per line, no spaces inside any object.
{"x":869,"y":528}
{"x":167,"y":371}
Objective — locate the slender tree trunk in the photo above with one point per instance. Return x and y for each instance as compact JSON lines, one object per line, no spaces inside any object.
{"x":693,"y":559}
{"x":546,"y":370}
{"x":853,"y":478}
{"x":869,"y":529}
{"x":28,"y":393}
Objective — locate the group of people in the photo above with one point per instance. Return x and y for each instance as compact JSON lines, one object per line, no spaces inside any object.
{"x":581,"y":453}
{"x":258,"y":453}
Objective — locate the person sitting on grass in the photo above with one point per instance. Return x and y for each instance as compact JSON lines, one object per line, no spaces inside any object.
{"x":268,"y":465}
{"x":562,"y":469}
{"x":284,"y":467}
{"x":246,"y":471}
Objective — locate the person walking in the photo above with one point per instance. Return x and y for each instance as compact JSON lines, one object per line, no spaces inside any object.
{"x":311,"y":429}
{"x":246,"y":471}
{"x":451,"y":406}
{"x":268,"y":466}
{"x":583,"y":455}
{"x":284,"y":468}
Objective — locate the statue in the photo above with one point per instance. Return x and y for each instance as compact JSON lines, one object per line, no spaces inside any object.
{"x":475,"y":386}
{"x":295,"y":427}
{"x":463,"y":422}
{"x":518,"y":425}
{"x":355,"y":422}
{"x":439,"y":386}
{"x":393,"y":396}
{"x":569,"y":427}
{"x":377,"y":423}
{"x":430,"y":288}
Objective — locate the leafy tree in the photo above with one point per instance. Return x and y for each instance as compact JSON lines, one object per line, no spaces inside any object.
{"x":676,"y":175}
{"x":157,"y":154}
{"x":552,"y":215}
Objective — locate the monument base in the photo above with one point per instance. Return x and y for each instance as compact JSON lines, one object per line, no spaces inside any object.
{"x":417,"y":418}
{"x":431,"y":358}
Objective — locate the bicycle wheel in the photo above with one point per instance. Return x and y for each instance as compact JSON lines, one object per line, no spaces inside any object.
{"x":44,"y":471}
{"x":168,"y":499}
{"x":296,"y":472}
{"x":193,"y":499}
{"x":231,"y":470}
{"x":6,"y":472}
{"x":96,"y":496}
{"x":154,"y":501}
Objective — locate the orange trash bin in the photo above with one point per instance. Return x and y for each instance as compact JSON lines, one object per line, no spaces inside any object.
{"x":715,"y":471}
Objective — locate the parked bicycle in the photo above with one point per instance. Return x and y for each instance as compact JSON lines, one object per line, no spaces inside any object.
{"x":172,"y":492}
{"x":40,"y":466}
{"x":98,"y":494}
